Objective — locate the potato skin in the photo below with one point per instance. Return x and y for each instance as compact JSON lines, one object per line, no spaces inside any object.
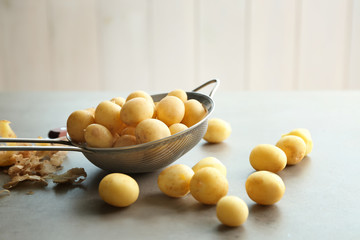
{"x":218,"y":130}
{"x":107,"y":114}
{"x":118,"y":190}
{"x":136,"y":110}
{"x":208,"y":185}
{"x":267,"y":157}
{"x":118,"y":100}
{"x":174,"y":181}
{"x":210,"y":162}
{"x":264,"y":187}
{"x":170,"y":110}
{"x":140,"y":93}
{"x":177,"y":127}
{"x":181,"y":94}
{"x":125,"y":140}
{"x":76,"y":124}
{"x":305,"y":135}
{"x":232,"y":211}
{"x":194,"y":112}
{"x":98,"y":136}
{"x":151,"y":130}
{"x":294,"y":148}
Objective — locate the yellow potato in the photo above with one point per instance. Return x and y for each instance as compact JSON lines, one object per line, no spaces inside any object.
{"x":76,"y":124}
{"x":170,"y":110}
{"x":177,"y":127}
{"x":208,"y":185}
{"x":5,"y":129}
{"x":151,"y":130}
{"x":108,"y":114}
{"x":141,"y":94}
{"x":294,"y":148}
{"x":6,"y":132}
{"x":232,"y":211}
{"x":210,"y":162}
{"x":264,"y":187}
{"x":174,"y":181}
{"x":118,"y":100}
{"x":98,"y":136}
{"x":218,"y":130}
{"x":136,"y":110}
{"x":179,"y":93}
{"x":128,"y":131}
{"x":119,"y":190}
{"x":194,"y":112}
{"x":305,"y":135}
{"x":125,"y":140}
{"x":91,"y":110}
{"x":267,"y":157}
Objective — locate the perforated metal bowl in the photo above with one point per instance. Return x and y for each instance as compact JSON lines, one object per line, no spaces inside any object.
{"x":139,"y":158}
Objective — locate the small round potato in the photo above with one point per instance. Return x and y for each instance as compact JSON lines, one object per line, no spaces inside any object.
{"x":232,"y":211}
{"x":118,"y":100}
{"x":179,"y":93}
{"x":208,"y":185}
{"x":91,"y":110}
{"x":194,"y":112}
{"x":294,"y":148}
{"x":267,"y":157}
{"x":305,"y":135}
{"x":218,"y":130}
{"x":128,"y":131}
{"x":125,"y":140}
{"x":119,"y":190}
{"x":141,"y":94}
{"x":174,"y":180}
{"x":170,"y":110}
{"x":76,"y":124}
{"x":136,"y":110}
{"x":210,"y":162}
{"x":177,"y":127}
{"x":151,"y":130}
{"x":264,"y":187}
{"x":98,"y":136}
{"x":108,"y":114}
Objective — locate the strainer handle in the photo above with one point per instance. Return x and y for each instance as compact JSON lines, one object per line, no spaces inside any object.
{"x":213,"y":81}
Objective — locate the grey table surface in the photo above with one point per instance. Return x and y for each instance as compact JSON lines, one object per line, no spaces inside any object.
{"x":320,"y":201}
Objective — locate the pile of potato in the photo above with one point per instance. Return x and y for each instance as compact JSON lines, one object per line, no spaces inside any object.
{"x":206,"y":181}
{"x":137,"y":119}
{"x":264,"y":186}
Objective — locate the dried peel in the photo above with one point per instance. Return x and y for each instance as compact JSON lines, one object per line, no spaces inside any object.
{"x":74,"y":175}
{"x":35,"y":166}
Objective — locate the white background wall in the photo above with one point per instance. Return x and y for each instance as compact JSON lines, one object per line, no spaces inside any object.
{"x":159,"y":45}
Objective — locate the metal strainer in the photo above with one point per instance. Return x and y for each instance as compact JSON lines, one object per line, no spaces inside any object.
{"x":146,"y":157}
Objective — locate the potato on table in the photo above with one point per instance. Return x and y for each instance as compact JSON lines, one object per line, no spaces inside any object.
{"x":217,"y":131}
{"x":119,"y":190}
{"x":294,"y":148}
{"x":208,"y":185}
{"x":267,"y":157}
{"x":264,"y":187}
{"x":232,"y":211}
{"x":174,"y":180}
{"x":210,"y":162}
